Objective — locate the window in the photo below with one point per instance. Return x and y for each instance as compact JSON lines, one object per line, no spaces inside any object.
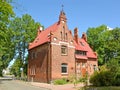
{"x":32,"y":70}
{"x":83,"y":53}
{"x":64,"y":33}
{"x":61,"y":35}
{"x":64,"y":50}
{"x":83,"y":64}
{"x":82,"y":43}
{"x":66,"y":37}
{"x":94,"y":67}
{"x":33,"y":55}
{"x":64,"y":68}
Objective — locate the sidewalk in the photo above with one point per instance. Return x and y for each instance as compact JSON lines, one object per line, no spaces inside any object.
{"x":57,"y":87}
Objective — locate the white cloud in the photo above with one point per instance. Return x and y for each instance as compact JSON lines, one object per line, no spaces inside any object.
{"x":109,"y":28}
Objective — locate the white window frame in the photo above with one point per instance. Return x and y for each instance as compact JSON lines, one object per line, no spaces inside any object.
{"x":65,"y":50}
{"x":64,"y":65}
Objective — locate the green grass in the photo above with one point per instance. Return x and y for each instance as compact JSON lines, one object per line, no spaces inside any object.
{"x":60,"y":81}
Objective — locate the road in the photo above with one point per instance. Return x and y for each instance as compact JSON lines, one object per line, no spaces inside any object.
{"x":18,"y":85}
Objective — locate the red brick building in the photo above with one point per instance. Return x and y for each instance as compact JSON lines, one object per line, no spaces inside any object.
{"x":56,"y":53}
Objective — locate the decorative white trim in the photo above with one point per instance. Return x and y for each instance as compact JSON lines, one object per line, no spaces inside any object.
{"x":55,"y":43}
{"x":60,"y":43}
{"x":71,"y":46}
{"x":63,"y":42}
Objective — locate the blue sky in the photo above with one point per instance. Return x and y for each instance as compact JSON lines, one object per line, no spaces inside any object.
{"x":80,"y":13}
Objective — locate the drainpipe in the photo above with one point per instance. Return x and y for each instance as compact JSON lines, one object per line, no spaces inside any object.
{"x":50,"y":60}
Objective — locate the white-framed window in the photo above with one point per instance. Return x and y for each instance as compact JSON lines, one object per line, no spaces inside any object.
{"x":83,"y":53}
{"x":83,"y":64}
{"x":64,"y":68}
{"x":32,"y":70}
{"x":33,"y":55}
{"x":64,"y":50}
{"x":94,"y":67}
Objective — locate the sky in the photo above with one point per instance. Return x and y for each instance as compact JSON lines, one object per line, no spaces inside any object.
{"x":80,"y":13}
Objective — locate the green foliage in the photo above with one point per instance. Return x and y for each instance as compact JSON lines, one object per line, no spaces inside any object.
{"x":6,"y":46}
{"x":103,"y":78}
{"x":15,"y":34}
{"x":25,"y":30}
{"x":60,"y":81}
{"x":15,"y":69}
{"x":107,"y":76}
{"x":82,"y":79}
{"x":105,"y":42}
{"x":100,"y":88}
{"x":117,"y":80}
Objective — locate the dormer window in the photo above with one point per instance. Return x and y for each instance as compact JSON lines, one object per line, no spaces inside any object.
{"x":82,"y":43}
{"x":78,"y":52}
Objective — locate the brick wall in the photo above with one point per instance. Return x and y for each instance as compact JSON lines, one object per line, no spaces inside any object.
{"x":38,"y":65}
{"x":57,"y":57}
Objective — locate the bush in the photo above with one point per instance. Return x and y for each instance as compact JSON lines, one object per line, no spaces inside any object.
{"x":107,"y":76}
{"x":83,"y":79}
{"x":102,"y":78}
{"x":60,"y":81}
{"x":94,"y":79}
{"x":117,"y":80}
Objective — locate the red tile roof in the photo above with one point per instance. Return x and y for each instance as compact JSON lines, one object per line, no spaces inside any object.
{"x":43,"y":37}
{"x":80,"y":57}
{"x":82,"y":45}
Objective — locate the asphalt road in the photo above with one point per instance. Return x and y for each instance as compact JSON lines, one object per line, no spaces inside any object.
{"x":16,"y":85}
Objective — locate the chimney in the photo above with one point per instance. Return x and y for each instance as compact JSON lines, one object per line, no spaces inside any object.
{"x":84,"y":36}
{"x":76,"y":35}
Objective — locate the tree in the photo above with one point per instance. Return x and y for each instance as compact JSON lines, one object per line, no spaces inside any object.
{"x":96,"y":38}
{"x":105,"y":42}
{"x":25,"y":30}
{"x":6,"y":47}
{"x":16,"y":68}
{"x":112,"y":46}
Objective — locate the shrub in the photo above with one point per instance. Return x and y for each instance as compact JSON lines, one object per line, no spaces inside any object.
{"x":106,"y":76}
{"x":83,"y":79}
{"x":95,"y":78}
{"x":117,"y":80}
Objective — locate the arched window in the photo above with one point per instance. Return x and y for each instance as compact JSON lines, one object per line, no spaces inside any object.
{"x":66,"y":36}
{"x":64,"y":33}
{"x":61,"y":35}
